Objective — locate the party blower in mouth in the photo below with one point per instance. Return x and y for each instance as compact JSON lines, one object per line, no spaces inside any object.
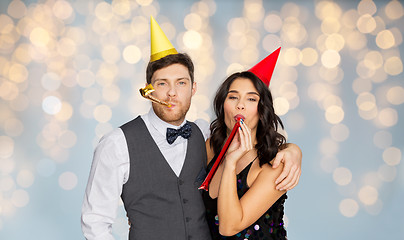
{"x":145,"y":92}
{"x":206,"y":182}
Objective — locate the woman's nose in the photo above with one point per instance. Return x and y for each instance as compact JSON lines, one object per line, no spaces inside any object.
{"x":240,"y":105}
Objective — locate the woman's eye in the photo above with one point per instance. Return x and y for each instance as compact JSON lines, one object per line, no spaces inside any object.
{"x":232,"y":97}
{"x":252,"y":99}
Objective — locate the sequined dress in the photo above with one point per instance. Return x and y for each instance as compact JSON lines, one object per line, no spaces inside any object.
{"x":269,"y":226}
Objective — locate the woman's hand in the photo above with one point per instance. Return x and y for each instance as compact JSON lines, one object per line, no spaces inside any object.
{"x":240,"y":145}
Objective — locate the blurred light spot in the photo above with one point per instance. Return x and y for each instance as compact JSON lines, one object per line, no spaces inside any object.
{"x":132,"y":54}
{"x":335,"y":42}
{"x":373,"y":60}
{"x":76,"y":34}
{"x":295,"y":121}
{"x":356,"y":40}
{"x":271,"y":42}
{"x":339,"y":132}
{"x":111,"y":54}
{"x":350,"y":18}
{"x":140,"y":25}
{"x":102,"y":113}
{"x":254,"y":11}
{"x":363,"y":71}
{"x":348,"y":207}
{"x":367,"y":7}
{"x":122,"y":7}
{"x":372,"y":179}
{"x":395,"y":95}
{"x":318,"y":91}
{"x":21,"y":54}
{"x":234,"y":67}
{"x":281,"y":106}
{"x":144,"y":2}
{"x":330,"y":25}
{"x":382,"y":139}
{"x":366,"y":101}
{"x":334,"y":114}
{"x":328,"y":147}
{"x":65,"y":112}
{"x":13,"y":127}
{"x":288,"y":90}
{"x":67,"y":139}
{"x":193,"y":21}
{"x":50,"y":81}
{"x":392,"y":156}
{"x":51,"y":105}
{"x":6,"y":24}
{"x":308,"y":57}
{"x":39,"y":37}
{"x":366,"y":23}
{"x":385,"y":39}
{"x":20,"y":198}
{"x":67,"y":180}
{"x":66,"y":47}
{"x":368,"y":195}
{"x":326,"y":9}
{"x":46,"y":167}
{"x":62,"y":9}
{"x":394,"y":10}
{"x":111,"y":93}
{"x":192,"y":39}
{"x":387,"y":173}
{"x":272,"y":23}
{"x":393,"y":66}
{"x":6,"y":146}
{"x":293,"y":32}
{"x":103,"y":11}
{"x":292,"y":56}
{"x":330,"y":58}
{"x":342,"y":176}
{"x":8,"y":90}
{"x":6,"y":183}
{"x":329,"y":163}
{"x":17,"y":9}
{"x":375,"y":208}
{"x":85,"y":78}
{"x":331,"y":100}
{"x":388,"y":117}
{"x":18,"y":73}
{"x":7,"y":165}
{"x":25,"y":178}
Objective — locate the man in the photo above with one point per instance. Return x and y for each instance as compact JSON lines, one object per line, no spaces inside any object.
{"x":154,"y":170}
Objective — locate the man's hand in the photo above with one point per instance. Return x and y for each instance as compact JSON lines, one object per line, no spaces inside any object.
{"x":291,"y":157}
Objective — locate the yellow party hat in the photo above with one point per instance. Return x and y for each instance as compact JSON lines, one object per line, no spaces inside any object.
{"x":160,"y":45}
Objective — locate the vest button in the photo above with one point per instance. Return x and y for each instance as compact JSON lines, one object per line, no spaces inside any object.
{"x":187,"y":219}
{"x":184,"y":200}
{"x":181,"y":182}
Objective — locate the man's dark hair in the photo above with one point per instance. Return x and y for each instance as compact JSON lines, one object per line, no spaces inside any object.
{"x":180,"y":58}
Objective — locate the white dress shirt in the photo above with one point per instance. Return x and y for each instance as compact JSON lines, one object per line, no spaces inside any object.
{"x":110,"y":171}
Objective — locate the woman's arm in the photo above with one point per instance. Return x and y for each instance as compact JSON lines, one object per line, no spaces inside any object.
{"x":237,"y":214}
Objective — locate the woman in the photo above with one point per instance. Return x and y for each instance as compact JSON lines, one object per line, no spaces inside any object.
{"x":242,"y":201}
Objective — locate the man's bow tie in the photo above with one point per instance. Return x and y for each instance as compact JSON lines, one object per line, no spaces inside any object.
{"x":172,"y":134}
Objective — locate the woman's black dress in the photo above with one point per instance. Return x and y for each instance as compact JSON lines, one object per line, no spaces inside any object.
{"x":268,"y":226}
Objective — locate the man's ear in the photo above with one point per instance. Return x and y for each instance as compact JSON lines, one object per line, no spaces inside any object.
{"x":194,"y":88}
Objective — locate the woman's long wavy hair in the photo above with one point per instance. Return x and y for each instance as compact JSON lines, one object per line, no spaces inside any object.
{"x":268,"y":139}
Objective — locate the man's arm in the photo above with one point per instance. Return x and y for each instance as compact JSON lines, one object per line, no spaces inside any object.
{"x":291,"y":156}
{"x":109,"y":171}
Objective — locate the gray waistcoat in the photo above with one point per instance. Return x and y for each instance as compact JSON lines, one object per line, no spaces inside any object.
{"x":159,"y":204}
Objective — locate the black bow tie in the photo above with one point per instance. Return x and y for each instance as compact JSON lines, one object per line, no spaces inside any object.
{"x":172,"y":134}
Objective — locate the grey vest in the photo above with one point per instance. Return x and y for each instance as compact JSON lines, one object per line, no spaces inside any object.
{"x":159,"y":204}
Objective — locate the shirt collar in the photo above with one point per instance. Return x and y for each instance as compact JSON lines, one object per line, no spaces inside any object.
{"x":160,"y":125}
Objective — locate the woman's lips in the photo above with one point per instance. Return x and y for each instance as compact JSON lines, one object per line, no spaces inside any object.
{"x":238,"y":117}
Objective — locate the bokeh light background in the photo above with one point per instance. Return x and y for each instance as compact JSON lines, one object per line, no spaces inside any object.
{"x":70,"y":72}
